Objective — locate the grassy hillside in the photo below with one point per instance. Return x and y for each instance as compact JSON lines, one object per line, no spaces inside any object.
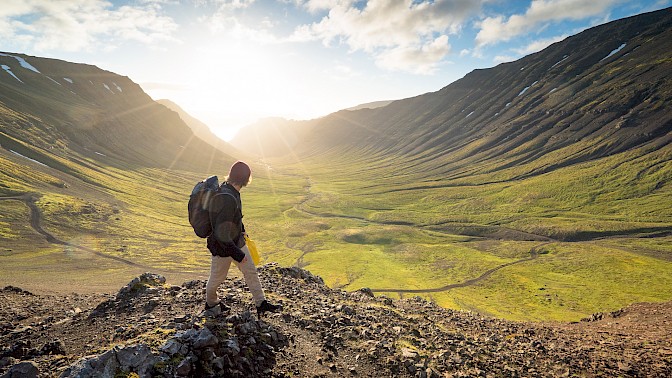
{"x":107,"y":169}
{"x":108,"y":222}
{"x":582,"y":239}
{"x":591,"y":237}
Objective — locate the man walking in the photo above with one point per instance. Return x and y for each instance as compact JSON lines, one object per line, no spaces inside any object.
{"x":227,"y":243}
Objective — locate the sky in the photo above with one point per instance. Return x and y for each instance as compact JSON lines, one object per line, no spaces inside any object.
{"x":232,"y":62}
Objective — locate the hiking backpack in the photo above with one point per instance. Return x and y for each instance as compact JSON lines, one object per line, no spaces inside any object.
{"x":199,"y":215}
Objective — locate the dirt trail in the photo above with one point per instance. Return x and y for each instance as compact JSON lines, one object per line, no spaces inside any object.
{"x":35,"y":222}
{"x":473,"y":281}
{"x":300,"y":263}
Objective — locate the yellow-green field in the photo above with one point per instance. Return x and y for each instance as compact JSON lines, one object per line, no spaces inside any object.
{"x":558,"y":246}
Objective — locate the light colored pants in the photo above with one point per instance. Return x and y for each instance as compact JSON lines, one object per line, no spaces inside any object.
{"x":219,"y":268}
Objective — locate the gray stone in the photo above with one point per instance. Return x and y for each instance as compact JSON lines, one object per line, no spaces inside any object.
{"x":172,"y":347}
{"x":7,"y":361}
{"x":83,"y":368}
{"x":184,"y":368}
{"x":367,"y":291}
{"x":205,"y":339}
{"x":54,"y":347}
{"x":232,"y":345}
{"x":248,"y":327}
{"x":187,"y":335}
{"x":218,"y":363}
{"x":136,"y":358}
{"x":24,"y":369}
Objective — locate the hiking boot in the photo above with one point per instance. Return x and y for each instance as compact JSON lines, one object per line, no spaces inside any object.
{"x":216,"y":309}
{"x":267,"y":306}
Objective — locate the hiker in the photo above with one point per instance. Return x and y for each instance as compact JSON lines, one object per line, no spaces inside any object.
{"x":227,"y":243}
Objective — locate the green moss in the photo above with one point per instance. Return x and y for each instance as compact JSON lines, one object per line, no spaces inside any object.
{"x":125,"y":374}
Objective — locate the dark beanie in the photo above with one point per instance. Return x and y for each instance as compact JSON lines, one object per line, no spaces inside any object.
{"x":239,"y":173}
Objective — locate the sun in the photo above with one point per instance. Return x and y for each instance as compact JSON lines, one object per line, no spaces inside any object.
{"x":233,"y":84}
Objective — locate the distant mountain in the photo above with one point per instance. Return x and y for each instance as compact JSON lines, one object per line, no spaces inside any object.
{"x":272,"y":136}
{"x":603,"y":91}
{"x":49,"y":106}
{"x":371,"y":105}
{"x":200,"y":129}
{"x":275,"y":136}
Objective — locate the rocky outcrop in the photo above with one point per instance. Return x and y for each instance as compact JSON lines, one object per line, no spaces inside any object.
{"x":153,"y":329}
{"x":234,"y":346}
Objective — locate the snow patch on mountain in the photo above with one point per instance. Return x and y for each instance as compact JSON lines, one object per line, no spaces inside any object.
{"x":26,"y":157}
{"x":53,"y":80}
{"x":22,"y":62}
{"x":9,"y":71}
{"x":563,"y":59}
{"x":526,"y":88}
{"x":614,"y":52}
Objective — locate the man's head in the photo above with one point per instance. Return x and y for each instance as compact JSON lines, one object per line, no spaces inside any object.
{"x":239,"y":174}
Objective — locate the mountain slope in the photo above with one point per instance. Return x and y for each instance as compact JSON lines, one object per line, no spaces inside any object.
{"x":601,"y":92}
{"x":200,"y":129}
{"x":55,"y":105}
{"x":94,"y":177}
{"x":530,"y":190}
{"x":272,"y":136}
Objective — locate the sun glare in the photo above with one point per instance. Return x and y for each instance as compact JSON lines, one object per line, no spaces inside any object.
{"x":234,"y":84}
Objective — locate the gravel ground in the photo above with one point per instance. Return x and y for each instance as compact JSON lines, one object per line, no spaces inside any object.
{"x":321,"y":332}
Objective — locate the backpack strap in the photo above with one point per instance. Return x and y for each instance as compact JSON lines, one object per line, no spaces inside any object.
{"x":223,"y":191}
{"x":237,"y":214}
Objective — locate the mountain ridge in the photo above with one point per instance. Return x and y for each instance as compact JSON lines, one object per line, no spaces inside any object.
{"x":60,"y":106}
{"x":607,"y":81}
{"x":201,"y":130}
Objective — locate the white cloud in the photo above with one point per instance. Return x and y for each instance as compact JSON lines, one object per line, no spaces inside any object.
{"x":224,"y":22}
{"x":539,"y":45}
{"x":233,"y":4}
{"x":315,"y":6}
{"x":504,"y":58}
{"x":341,"y":72}
{"x":74,"y":25}
{"x":498,"y":29}
{"x":419,"y":60}
{"x":400,"y":35}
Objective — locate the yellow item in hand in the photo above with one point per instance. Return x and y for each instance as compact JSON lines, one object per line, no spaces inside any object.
{"x":252,"y":246}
